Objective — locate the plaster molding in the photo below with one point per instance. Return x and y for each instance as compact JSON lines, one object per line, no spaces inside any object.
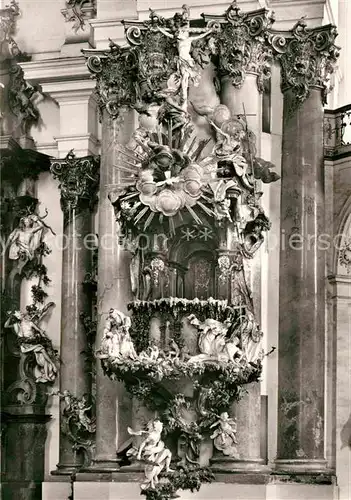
{"x":55,"y":70}
{"x":82,"y":144}
{"x":48,"y":148}
{"x":288,"y":12}
{"x":103,"y":29}
{"x":70,"y":92}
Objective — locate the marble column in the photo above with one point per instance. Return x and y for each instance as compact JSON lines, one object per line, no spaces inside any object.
{"x":248,"y":410}
{"x":302,"y":287}
{"x":113,"y":404}
{"x":78,"y":182}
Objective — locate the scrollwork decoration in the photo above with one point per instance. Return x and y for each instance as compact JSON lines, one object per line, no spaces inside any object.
{"x":78,"y":12}
{"x":79,"y":179}
{"x":20,"y":99}
{"x":345,"y":256}
{"x":79,"y":423}
{"x":241,"y":46}
{"x":307,"y":58}
{"x":8,"y":16}
{"x":115,"y":73}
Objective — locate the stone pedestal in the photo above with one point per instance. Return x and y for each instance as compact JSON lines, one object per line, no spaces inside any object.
{"x":302,"y":288}
{"x":113,"y":405}
{"x":23,"y":440}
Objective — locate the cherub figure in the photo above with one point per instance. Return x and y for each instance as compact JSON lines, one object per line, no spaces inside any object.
{"x":224,"y":436}
{"x":26,"y":238}
{"x":152,"y":353}
{"x":34,"y":339}
{"x":77,"y":409}
{"x":153,"y":451}
{"x":84,"y":420}
{"x":186,"y":64}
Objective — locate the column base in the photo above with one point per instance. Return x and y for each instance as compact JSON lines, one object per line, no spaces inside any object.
{"x":233,"y":464}
{"x":66,"y":469}
{"x":301,"y":465}
{"x":103,"y":465}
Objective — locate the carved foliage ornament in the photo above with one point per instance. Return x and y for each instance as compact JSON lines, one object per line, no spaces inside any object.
{"x":345,"y":256}
{"x":79,"y":179}
{"x":115,"y":72}
{"x":79,"y":423}
{"x":307,"y":57}
{"x":155,"y":55}
{"x":20,"y":95}
{"x":8,"y":15}
{"x":78,"y":12}
{"x":240,"y":44}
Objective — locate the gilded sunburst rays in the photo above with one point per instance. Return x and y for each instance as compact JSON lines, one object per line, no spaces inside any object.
{"x":164,"y":173}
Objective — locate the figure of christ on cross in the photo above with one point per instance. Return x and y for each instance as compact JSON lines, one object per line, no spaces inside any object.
{"x":186,"y":64}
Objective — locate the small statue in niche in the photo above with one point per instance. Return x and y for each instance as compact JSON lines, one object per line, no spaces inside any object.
{"x":246,"y":210}
{"x":26,"y":238}
{"x":152,"y":450}
{"x":224,"y":436}
{"x":34,"y":340}
{"x":116,"y":341}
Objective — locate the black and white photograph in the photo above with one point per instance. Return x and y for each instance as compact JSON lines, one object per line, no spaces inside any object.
{"x":175,"y":249}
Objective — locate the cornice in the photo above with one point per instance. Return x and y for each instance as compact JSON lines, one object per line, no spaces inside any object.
{"x":56,"y":70}
{"x":69,"y":91}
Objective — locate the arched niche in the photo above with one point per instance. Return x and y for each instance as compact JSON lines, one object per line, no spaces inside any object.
{"x":339,"y":352}
{"x":194,"y":254}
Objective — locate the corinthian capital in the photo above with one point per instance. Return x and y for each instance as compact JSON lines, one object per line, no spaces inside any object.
{"x":307,"y":57}
{"x":115,"y":74}
{"x":79,"y":180}
{"x":241,"y":44}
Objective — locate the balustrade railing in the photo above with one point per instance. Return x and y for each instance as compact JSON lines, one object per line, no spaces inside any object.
{"x":337,"y":132}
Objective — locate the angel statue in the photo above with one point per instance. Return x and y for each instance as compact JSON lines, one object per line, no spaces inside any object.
{"x":247,"y":329}
{"x":26,"y":238}
{"x":224,"y":436}
{"x":34,"y":339}
{"x":186,"y":64}
{"x":116,"y":341}
{"x":152,"y":450}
